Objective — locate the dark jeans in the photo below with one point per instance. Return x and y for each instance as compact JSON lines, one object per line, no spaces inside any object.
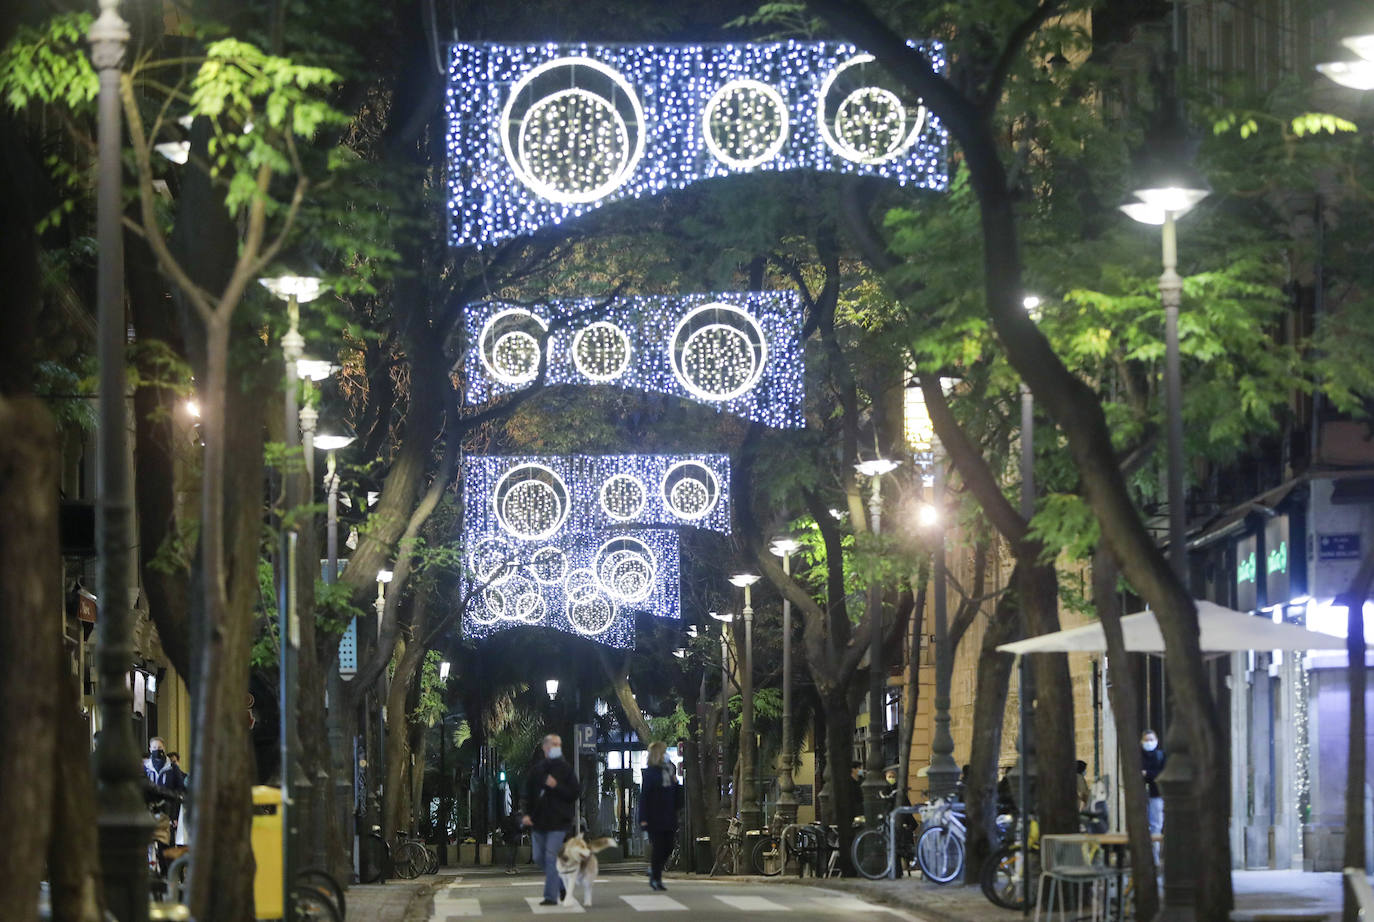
{"x":661,"y":843}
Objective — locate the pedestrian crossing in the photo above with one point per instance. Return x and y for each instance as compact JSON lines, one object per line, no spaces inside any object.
{"x":504,"y":900}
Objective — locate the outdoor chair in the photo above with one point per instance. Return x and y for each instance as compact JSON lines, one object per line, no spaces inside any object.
{"x":1072,"y":864}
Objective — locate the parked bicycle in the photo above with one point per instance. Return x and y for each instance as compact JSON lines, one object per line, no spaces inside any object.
{"x":940,"y":846}
{"x":763,"y":855}
{"x":1007,"y":869}
{"x":870,"y":849}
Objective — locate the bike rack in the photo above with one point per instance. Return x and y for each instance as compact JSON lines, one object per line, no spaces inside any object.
{"x":892,"y":837}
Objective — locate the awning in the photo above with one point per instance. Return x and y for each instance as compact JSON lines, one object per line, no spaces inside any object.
{"x":1223,"y":630}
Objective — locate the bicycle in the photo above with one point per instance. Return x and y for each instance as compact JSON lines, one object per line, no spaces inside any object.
{"x":1005,"y":871}
{"x":411,"y":857}
{"x":870,"y":850}
{"x":728,"y":854}
{"x":769,"y":855}
{"x":940,"y":848}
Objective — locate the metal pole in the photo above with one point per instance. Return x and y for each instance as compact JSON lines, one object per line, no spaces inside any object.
{"x":338,"y":741}
{"x":877,"y":678}
{"x":125,"y":825}
{"x":289,"y":627}
{"x":943,"y":774}
{"x":787,"y":798}
{"x":725,"y":810}
{"x":443,"y":793}
{"x":749,"y":811}
{"x":1170,"y":292}
{"x":1022,"y":664}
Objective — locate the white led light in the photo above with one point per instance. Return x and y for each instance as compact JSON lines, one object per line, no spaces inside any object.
{"x":625,"y":568}
{"x":573,"y":145}
{"x":745,"y":124}
{"x":591,"y":612}
{"x":508,"y":345}
{"x":690,"y":490}
{"x":739,"y":352}
{"x":542,"y":134}
{"x":549,"y":565}
{"x":718,"y":352}
{"x":492,"y":560}
{"x":531,"y":502}
{"x":623,"y":497}
{"x":601,"y":351}
{"x":870,"y":125}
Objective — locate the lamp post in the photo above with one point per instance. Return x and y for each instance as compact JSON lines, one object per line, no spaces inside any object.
{"x":873,"y":784}
{"x":1025,"y":769}
{"x":551,"y":686}
{"x":725,"y":811}
{"x":787,"y":798}
{"x":1168,"y":188}
{"x":125,"y":826}
{"x":943,"y":774}
{"x":750,"y":813}
{"x":335,"y":730}
{"x":445,"y":783}
{"x":294,"y":289}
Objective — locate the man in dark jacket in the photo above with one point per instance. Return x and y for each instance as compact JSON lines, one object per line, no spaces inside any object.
{"x":1152,"y":759}
{"x":551,"y":793}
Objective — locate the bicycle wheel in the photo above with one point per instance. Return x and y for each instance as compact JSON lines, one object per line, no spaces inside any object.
{"x":725,"y":860}
{"x":869,"y":852}
{"x":373,"y":857}
{"x":767,"y":857}
{"x":941,"y":854}
{"x":321,"y":878}
{"x":432,"y":861}
{"x":1004,"y":874}
{"x":674,"y":858}
{"x":410,"y":859}
{"x":314,"y":903}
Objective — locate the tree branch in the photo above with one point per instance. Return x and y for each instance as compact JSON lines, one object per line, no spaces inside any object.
{"x":992,"y":92}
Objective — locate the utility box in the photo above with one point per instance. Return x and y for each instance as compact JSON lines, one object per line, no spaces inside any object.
{"x":267,"y":852}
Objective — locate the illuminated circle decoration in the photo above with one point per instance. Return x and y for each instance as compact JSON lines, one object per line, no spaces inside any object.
{"x":509,"y":345}
{"x":517,"y":599}
{"x":492,"y":560}
{"x":690,"y":490}
{"x":601,"y":351}
{"x":745,"y":124}
{"x":863,"y":123}
{"x":625,"y":569}
{"x":531,"y":502}
{"x":718,"y":352}
{"x":590,"y":609}
{"x":572,"y":130}
{"x":549,"y":565}
{"x":623,"y":497}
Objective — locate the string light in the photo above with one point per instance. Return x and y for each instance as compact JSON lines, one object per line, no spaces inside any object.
{"x":539,"y":134}
{"x":513,"y":501}
{"x":739,"y":352}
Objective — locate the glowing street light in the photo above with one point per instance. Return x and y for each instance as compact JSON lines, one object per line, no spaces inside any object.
{"x":551,"y":686}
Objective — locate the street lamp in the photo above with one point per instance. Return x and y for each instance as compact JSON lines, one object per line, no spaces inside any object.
{"x":294,"y":289}
{"x":1355,"y":75}
{"x":873,"y":784}
{"x":749,"y":812}
{"x":551,"y":686}
{"x":124,"y":822}
{"x":787,"y":798}
{"x":443,"y":671}
{"x":1169,"y":185}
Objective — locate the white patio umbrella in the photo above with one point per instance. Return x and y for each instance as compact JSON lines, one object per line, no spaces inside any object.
{"x":1222,"y":630}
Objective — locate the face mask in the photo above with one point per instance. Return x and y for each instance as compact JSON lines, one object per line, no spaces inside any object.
{"x":1150,"y":745}
{"x":159,"y":758}
{"x":555,"y":752}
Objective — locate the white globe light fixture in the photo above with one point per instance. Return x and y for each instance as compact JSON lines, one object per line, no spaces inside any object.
{"x":723,"y":618}
{"x":333,"y":442}
{"x":927,"y":516}
{"x":1354,"y":75}
{"x":443,"y":671}
{"x":876,"y":467}
{"x":782,"y":547}
{"x":551,"y":686}
{"x":314,"y":369}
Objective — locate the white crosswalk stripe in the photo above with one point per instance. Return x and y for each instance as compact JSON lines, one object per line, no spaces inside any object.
{"x":448,"y":908}
{"x":752,"y":904}
{"x":568,"y":905}
{"x":845,"y":904}
{"x":653,"y":903}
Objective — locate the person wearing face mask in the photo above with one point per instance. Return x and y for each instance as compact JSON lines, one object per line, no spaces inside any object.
{"x":166,"y":789}
{"x":1152,"y":759}
{"x":551,"y":792}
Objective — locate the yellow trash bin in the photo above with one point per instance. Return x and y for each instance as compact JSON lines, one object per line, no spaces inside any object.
{"x":267,"y":851}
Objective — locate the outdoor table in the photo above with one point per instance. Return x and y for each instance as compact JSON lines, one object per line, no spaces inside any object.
{"x":1116,"y":850}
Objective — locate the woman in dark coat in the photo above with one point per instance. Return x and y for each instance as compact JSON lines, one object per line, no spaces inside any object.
{"x":660,"y":800}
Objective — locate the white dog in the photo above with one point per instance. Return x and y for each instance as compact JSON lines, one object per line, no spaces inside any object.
{"x":577,"y":862}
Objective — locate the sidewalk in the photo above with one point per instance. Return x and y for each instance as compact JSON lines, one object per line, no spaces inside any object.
{"x":1255,"y":891}
{"x":396,"y":900}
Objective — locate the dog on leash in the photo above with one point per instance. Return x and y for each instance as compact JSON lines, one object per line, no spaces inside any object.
{"x":577,"y":863}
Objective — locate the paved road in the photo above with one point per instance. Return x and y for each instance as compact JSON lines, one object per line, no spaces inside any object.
{"x":626,"y":896}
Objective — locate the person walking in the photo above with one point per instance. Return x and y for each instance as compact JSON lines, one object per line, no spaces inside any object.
{"x":165,"y":790}
{"x":660,"y":801}
{"x":551,"y":793}
{"x":1152,"y":759}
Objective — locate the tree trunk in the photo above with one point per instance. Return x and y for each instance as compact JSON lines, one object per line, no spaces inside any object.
{"x":30,"y":646}
{"x":1125,"y":708}
{"x":619,"y":675}
{"x":989,"y":713}
{"x":73,"y":851}
{"x":1354,"y":856}
{"x":395,"y":792}
{"x":1056,"y":799}
{"x":839,"y":742}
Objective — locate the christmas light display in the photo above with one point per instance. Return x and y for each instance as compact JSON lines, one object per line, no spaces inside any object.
{"x":534,"y":500}
{"x":539,"y":134}
{"x":740,"y":352}
{"x":589,"y":585}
